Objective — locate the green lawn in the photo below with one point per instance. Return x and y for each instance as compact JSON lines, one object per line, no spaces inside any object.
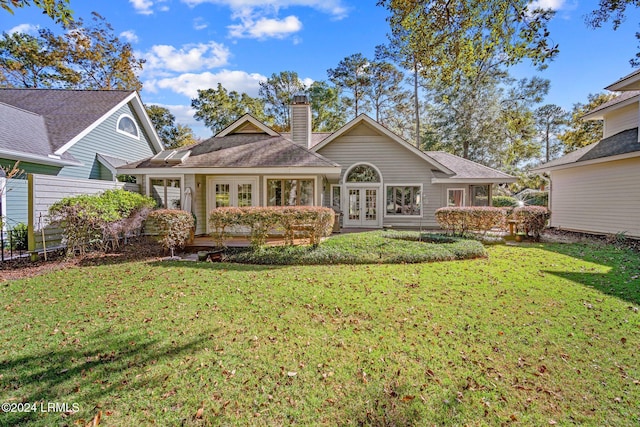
{"x":538,"y":334}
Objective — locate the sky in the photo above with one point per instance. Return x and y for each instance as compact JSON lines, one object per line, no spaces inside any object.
{"x":196,"y":44}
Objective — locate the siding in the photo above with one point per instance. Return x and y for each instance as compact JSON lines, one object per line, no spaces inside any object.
{"x":621,"y":119}
{"x":601,"y":198}
{"x":105,"y":139}
{"x":17,"y":196}
{"x":396,"y":164}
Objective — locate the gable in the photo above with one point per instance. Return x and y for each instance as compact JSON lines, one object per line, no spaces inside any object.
{"x":362,"y":129}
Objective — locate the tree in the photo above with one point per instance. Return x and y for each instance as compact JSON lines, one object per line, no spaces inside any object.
{"x":581,"y":133}
{"x":385,"y":89}
{"x":277,"y":94}
{"x":101,"y":59}
{"x":550,"y":119}
{"x":328,"y":113}
{"x":614,"y":11}
{"x":172,"y":135}
{"x":31,"y":62}
{"x":451,"y":37}
{"x":82,"y":58}
{"x":58,"y":10}
{"x":352,"y":74}
{"x":218,"y":108}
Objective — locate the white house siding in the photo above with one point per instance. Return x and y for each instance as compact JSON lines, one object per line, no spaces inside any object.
{"x":597,"y":198}
{"x":621,"y":119}
{"x":104,"y":139}
{"x":397,"y":165}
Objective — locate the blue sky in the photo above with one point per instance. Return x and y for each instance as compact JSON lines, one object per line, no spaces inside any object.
{"x":194,"y":44}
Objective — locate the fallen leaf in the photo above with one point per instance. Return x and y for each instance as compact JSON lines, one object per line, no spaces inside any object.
{"x":623,"y":340}
{"x":408,"y":398}
{"x":200,"y":411}
{"x":291,"y":374}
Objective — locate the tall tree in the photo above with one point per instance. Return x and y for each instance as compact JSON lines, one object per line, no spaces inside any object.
{"x":452,"y":39}
{"x":550,"y":119}
{"x":581,"y":133}
{"x":326,"y":107}
{"x":352,"y":74}
{"x":58,"y":10}
{"x":101,"y":59}
{"x":277,"y":94}
{"x":613,"y":11}
{"x":218,"y":108}
{"x":31,"y":62}
{"x":385,"y":89}
{"x":172,"y":135}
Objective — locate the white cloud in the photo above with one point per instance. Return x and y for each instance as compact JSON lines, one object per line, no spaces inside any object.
{"x":25,"y":29}
{"x":130,"y":36}
{"x":332,"y":7}
{"x":191,"y":57}
{"x":188,"y":84}
{"x":199,"y":23}
{"x":142,"y":7}
{"x":546,"y":4}
{"x":265,"y":28}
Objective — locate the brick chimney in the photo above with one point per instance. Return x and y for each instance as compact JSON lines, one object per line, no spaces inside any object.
{"x":301,"y":121}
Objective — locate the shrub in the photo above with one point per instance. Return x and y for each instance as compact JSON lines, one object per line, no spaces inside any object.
{"x":459,"y":220}
{"x":99,"y":220}
{"x":19,"y":237}
{"x":310,"y":221}
{"x":531,"y":219}
{"x":504,"y":201}
{"x":173,"y":226}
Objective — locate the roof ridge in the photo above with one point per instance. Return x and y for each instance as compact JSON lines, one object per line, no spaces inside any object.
{"x":467,"y":160}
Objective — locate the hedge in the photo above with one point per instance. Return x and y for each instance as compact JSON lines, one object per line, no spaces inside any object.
{"x":173,"y":227}
{"x":99,"y":220}
{"x":458,"y":220}
{"x":311,"y":222}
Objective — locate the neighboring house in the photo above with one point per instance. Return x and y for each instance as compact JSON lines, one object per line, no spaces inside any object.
{"x":79,"y":134}
{"x":595,"y":189}
{"x":370,"y":174}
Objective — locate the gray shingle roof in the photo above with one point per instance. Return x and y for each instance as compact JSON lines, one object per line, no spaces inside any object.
{"x":245,"y":151}
{"x":621,"y":143}
{"x":66,"y":112}
{"x":466,"y":169}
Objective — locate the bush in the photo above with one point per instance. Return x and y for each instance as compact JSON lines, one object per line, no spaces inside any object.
{"x":531,"y":220}
{"x":311,"y":221}
{"x":19,"y":237}
{"x":99,"y":220}
{"x":173,"y":226}
{"x":459,"y":220}
{"x":504,"y":201}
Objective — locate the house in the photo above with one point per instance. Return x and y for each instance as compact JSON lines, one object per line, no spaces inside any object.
{"x":595,"y":189}
{"x":374,"y":177}
{"x":76,"y":137}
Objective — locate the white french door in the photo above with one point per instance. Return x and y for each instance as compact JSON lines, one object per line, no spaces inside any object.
{"x":363,"y":206}
{"x":228,"y":191}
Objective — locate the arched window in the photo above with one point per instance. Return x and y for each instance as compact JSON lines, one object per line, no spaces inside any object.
{"x":363,"y":173}
{"x":128,"y":126}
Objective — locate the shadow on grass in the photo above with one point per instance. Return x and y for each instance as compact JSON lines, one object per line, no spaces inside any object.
{"x":104,"y":366}
{"x":621,"y":281}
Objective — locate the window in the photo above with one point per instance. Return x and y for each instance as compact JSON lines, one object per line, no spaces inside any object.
{"x":237,"y":192}
{"x":404,"y":200}
{"x":479,"y":195}
{"x":167,"y":192}
{"x":363,"y":173}
{"x":289,"y":192}
{"x":335,"y":197}
{"x":455,"y":197}
{"x":128,"y":126}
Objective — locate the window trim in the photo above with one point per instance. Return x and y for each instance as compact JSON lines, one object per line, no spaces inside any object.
{"x":422,"y":200}
{"x":128,"y":116}
{"x":314,"y":198}
{"x":331,"y":188}
{"x":464,"y":196}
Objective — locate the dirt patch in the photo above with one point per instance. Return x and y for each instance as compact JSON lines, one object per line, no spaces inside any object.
{"x":555,"y":235}
{"x":22,"y":268}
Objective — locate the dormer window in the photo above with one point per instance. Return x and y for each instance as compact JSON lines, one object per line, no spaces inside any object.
{"x":128,"y":126}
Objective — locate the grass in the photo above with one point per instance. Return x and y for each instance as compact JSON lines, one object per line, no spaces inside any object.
{"x":536,"y":334}
{"x":390,"y":247}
